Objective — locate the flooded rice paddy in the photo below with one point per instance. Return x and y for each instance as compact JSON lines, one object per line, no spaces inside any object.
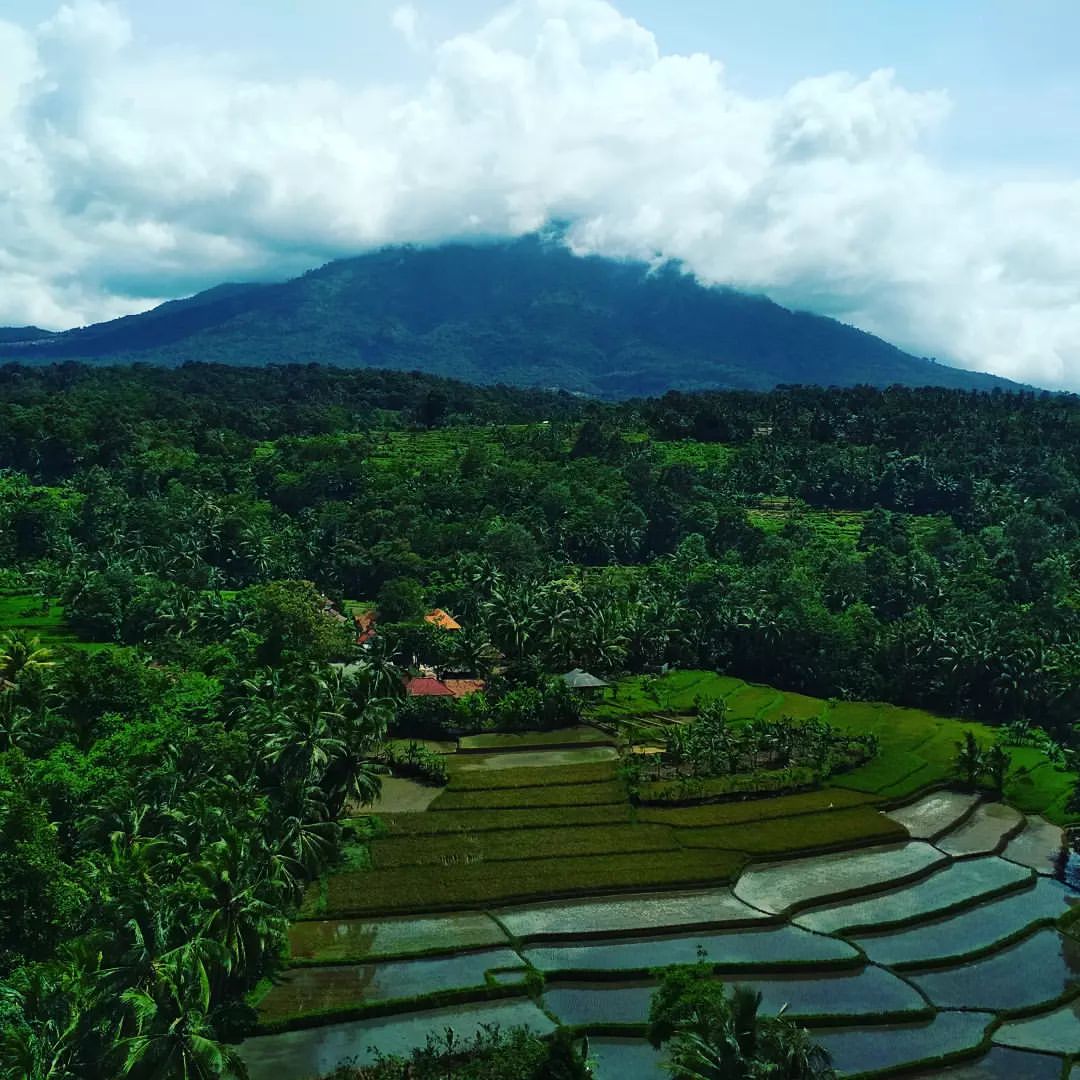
{"x":313,"y":1052}
{"x":916,"y":956}
{"x":1038,"y":969}
{"x":796,"y":883}
{"x":987,"y":830}
{"x":957,"y":883}
{"x":622,"y":914}
{"x":765,"y":947}
{"x":971,"y":930}
{"x":934,"y":814}
{"x":334,"y":987}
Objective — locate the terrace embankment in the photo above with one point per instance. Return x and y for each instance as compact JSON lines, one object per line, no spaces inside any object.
{"x":531,"y":890}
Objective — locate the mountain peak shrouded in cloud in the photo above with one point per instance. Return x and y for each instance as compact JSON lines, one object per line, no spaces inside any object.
{"x":131,"y":175}
{"x":525,"y":312}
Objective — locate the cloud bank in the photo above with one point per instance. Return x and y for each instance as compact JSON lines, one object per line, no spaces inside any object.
{"x":127,"y":177}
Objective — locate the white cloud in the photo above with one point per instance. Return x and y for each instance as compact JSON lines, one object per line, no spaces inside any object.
{"x":128,"y":176}
{"x":405,"y":19}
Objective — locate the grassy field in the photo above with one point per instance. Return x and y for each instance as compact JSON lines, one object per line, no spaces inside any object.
{"x":425,"y":888}
{"x":917,"y":747}
{"x":22,"y":611}
{"x":497,"y":835}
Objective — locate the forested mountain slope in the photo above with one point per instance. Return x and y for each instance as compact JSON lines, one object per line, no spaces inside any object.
{"x":527,"y":313}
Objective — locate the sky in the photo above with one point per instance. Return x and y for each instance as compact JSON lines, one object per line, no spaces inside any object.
{"x":909,"y":166}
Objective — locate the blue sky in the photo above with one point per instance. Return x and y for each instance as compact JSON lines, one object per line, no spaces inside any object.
{"x":152,"y":148}
{"x":1010,"y":66}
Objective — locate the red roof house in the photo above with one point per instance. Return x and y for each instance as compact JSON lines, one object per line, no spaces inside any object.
{"x":426,"y":686}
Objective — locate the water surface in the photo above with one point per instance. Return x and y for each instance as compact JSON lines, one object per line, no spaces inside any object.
{"x":318,"y":1051}
{"x":971,"y":930}
{"x":1038,"y":969}
{"x":956,"y":884}
{"x":779,"y":886}
{"x":733,"y":948}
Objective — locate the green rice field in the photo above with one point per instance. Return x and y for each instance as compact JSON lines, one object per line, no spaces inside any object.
{"x":22,"y":611}
{"x":885,"y":913}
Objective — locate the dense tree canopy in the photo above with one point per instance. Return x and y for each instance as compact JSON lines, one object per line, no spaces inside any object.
{"x":176,"y":748}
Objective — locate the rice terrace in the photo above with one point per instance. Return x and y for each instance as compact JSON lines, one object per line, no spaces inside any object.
{"x":911,"y":922}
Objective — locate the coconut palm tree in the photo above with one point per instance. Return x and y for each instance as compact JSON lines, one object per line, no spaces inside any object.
{"x":995,"y":765}
{"x":969,"y":759}
{"x":173,"y":1033}
{"x":22,"y":652}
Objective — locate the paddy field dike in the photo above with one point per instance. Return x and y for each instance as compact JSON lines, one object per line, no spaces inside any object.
{"x":913,"y":927}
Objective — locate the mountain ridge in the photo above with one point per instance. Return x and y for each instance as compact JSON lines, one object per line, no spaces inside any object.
{"x":525,"y":312}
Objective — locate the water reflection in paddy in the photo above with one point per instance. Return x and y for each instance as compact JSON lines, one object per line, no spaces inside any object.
{"x":733,"y":948}
{"x":318,"y":1051}
{"x":625,"y":914}
{"x":985,"y":831}
{"x":999,"y":1064}
{"x":1039,"y":968}
{"x":873,"y":1049}
{"x":868,"y":992}
{"x":333,"y":940}
{"x":1056,"y":1032}
{"x":778,"y":887}
{"x":626,"y":1059}
{"x":317,"y":989}
{"x":944,"y":889}
{"x":970,"y":930}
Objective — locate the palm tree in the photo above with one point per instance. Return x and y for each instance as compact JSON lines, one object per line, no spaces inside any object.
{"x":995,"y":765}
{"x":969,"y":759}
{"x":22,"y":652}
{"x":242,"y":906}
{"x":20,"y":728}
{"x":720,"y":1037}
{"x":173,"y":1034}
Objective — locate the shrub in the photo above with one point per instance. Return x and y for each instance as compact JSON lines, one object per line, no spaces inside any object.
{"x":490,"y":1054}
{"x":418,"y":761}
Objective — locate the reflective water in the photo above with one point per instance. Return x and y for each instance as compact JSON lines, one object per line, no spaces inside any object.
{"x":970,"y":930}
{"x":871,"y":1049}
{"x":944,"y":889}
{"x":871,"y":991}
{"x":933,"y":814}
{"x":734,"y":948}
{"x":984,"y":832}
{"x":626,"y":1059}
{"x":319,"y":989}
{"x":362,"y":939}
{"x":1039,"y":846}
{"x":1056,"y":1032}
{"x":1038,"y":969}
{"x":777,"y":887}
{"x":1000,"y":1064}
{"x":318,"y":1051}
{"x":615,"y":914}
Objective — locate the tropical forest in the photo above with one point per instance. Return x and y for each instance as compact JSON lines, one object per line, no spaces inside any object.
{"x":371,"y":725}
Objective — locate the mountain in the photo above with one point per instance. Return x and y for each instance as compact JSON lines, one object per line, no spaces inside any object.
{"x":525,"y":312}
{"x":23,"y":333}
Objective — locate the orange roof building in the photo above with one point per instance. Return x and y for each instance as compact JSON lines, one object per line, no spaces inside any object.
{"x":463,"y":687}
{"x":441,"y":619}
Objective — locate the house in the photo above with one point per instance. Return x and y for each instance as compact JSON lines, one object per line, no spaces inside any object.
{"x":442,"y":620}
{"x":427,"y":686}
{"x":464,"y":687}
{"x":584,"y":683}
